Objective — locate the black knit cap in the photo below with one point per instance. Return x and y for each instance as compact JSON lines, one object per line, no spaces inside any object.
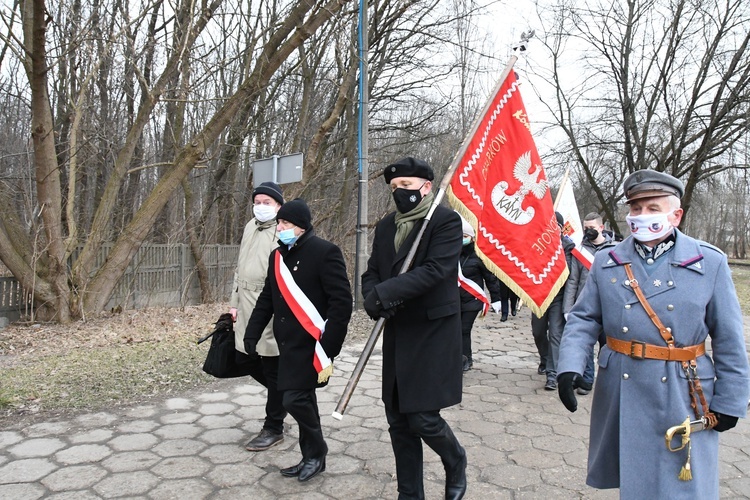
{"x":270,"y":189}
{"x":408,"y":167}
{"x":297,"y":212}
{"x":560,"y":219}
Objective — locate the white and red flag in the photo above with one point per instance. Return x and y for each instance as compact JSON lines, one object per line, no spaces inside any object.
{"x":501,"y":188}
{"x":565,"y":203}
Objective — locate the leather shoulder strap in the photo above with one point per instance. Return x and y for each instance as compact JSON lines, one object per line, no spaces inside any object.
{"x":665,"y":333}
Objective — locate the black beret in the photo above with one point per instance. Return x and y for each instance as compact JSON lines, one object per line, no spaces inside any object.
{"x":651,"y":184}
{"x":408,"y":167}
{"x":270,"y":189}
{"x":297,"y":212}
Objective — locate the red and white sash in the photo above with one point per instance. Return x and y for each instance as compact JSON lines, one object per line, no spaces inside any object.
{"x":306,"y":313}
{"x":474,"y":289}
{"x":584,"y":256}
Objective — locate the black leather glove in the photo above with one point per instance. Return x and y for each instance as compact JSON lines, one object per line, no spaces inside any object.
{"x":566,"y":384}
{"x":250,"y":347}
{"x":388,"y":313}
{"x":372,"y":304}
{"x":225,"y":322}
{"x":725,"y":422}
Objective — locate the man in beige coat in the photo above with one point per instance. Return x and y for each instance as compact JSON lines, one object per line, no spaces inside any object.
{"x":258,"y":240}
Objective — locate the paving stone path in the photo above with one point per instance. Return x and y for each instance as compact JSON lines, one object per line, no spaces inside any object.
{"x":520,"y":440}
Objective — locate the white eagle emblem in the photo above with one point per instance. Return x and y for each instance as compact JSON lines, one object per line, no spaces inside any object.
{"x":509,"y":206}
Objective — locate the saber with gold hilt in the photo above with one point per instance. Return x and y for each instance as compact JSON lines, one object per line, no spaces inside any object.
{"x":684,"y":430}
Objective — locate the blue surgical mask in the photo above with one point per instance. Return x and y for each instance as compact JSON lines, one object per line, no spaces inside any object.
{"x":466,"y":241}
{"x":287,"y":236}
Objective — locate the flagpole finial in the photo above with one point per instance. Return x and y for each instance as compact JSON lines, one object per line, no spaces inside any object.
{"x":525,"y":37}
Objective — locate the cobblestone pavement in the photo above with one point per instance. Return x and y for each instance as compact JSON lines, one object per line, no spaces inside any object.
{"x":520,"y":440}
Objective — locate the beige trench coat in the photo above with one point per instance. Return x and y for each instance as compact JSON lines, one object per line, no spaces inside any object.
{"x":258,"y":240}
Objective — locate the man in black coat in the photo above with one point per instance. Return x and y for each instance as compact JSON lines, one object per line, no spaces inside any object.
{"x":475,"y":277}
{"x":317,"y":268}
{"x":422,"y":366}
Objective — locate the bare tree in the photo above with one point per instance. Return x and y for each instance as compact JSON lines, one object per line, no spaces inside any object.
{"x":648,"y":84}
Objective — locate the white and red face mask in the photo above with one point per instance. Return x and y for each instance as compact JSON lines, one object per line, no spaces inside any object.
{"x":649,"y":227}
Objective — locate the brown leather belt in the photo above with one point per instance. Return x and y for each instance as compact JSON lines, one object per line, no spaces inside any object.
{"x":642,"y":350}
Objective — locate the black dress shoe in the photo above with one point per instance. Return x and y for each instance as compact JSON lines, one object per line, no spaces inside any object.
{"x":455,"y":481}
{"x":311,"y":468}
{"x":264,"y":440}
{"x":292,"y":471}
{"x":504,"y":317}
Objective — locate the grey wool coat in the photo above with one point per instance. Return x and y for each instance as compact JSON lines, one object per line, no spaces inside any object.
{"x":636,"y":401}
{"x":258,"y":240}
{"x":422,"y":342}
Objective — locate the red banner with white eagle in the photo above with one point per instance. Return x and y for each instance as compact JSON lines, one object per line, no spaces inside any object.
{"x":501,"y":188}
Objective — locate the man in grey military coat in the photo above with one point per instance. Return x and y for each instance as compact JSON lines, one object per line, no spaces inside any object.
{"x":638,"y":396}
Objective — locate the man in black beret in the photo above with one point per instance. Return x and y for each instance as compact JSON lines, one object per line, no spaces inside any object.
{"x":258,"y":240}
{"x":307,"y":294}
{"x":422,"y":345}
{"x":657,"y":296}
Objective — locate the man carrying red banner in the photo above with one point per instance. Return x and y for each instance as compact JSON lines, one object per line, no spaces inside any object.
{"x":422,"y":337}
{"x":308,"y":295}
{"x":500,"y":187}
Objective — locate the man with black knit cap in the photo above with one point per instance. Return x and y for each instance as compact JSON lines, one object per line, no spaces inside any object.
{"x":657,"y":296}
{"x":422,"y":360}
{"x":258,"y":240}
{"x":308,"y":295}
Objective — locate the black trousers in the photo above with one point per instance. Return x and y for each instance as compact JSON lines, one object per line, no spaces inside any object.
{"x":467,"y":323}
{"x":407,"y":431}
{"x":508,"y":298}
{"x":275,"y":412}
{"x":539,"y":331}
{"x":302,"y":405}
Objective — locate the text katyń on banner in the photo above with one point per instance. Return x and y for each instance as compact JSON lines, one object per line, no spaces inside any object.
{"x":501,"y":188}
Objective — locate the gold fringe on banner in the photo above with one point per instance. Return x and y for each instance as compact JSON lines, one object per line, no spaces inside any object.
{"x":539,"y":311}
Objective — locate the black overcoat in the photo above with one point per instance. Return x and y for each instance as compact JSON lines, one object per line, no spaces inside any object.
{"x":474,"y":269}
{"x":422,"y":342}
{"x":319,"y":270}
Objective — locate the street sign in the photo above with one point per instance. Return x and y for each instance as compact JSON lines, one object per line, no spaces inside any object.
{"x":278,"y":169}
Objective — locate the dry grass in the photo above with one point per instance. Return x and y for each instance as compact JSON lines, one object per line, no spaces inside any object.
{"x":112,"y":360}
{"x":741,"y":278}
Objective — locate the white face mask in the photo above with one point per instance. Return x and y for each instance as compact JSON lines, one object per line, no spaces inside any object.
{"x":649,"y":227}
{"x":264,"y":213}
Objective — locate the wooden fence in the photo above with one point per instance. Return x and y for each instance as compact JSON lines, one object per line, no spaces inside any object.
{"x":159,"y":275}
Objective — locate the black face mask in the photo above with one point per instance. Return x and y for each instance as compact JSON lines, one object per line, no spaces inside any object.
{"x":590,"y":233}
{"x":406,"y":199}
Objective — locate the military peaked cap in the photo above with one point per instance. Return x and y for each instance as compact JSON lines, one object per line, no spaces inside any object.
{"x":650,"y":184}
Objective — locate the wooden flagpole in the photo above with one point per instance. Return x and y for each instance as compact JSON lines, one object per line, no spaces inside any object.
{"x":364,"y":357}
{"x":560,"y":190}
